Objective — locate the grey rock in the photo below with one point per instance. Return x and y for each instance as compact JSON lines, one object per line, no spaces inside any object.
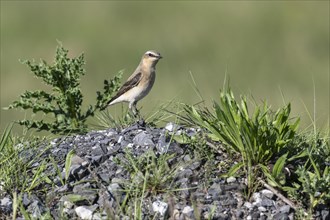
{"x":285,"y":209}
{"x":194,"y":165}
{"x":160,"y":207}
{"x":37,"y":209}
{"x":184,"y":192}
{"x":76,"y":160}
{"x":229,"y":202}
{"x":78,"y":171}
{"x":187,"y":158}
{"x":188,"y":211}
{"x":215,"y":191}
{"x":231,"y":187}
{"x":281,"y":216}
{"x":86,"y":191}
{"x":262,"y":209}
{"x":98,"y":159}
{"x":26,"y":199}
{"x":68,"y":204}
{"x":191,"y":132}
{"x":62,"y":189}
{"x":172,"y":127}
{"x":186,"y":173}
{"x":239,"y":214}
{"x":176,"y":214}
{"x":6,"y":204}
{"x":223,"y":216}
{"x":84,"y":212}
{"x":231,"y":179}
{"x":267,"y":193}
{"x":105,"y":177}
{"x":256,"y":196}
{"x":248,"y":205}
{"x":325,"y":214}
{"x":143,"y":139}
{"x":116,"y":190}
{"x":255,"y":215}
{"x":267,"y":202}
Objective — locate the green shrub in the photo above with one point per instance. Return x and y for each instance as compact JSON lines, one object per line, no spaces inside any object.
{"x":257,"y":137}
{"x":64,"y":103}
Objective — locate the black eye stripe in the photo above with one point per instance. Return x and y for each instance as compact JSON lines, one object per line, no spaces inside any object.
{"x":151,"y":55}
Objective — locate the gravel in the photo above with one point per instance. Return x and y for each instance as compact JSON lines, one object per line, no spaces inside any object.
{"x":101,"y":174}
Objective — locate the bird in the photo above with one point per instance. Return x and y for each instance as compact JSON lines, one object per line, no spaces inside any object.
{"x":139,"y":84}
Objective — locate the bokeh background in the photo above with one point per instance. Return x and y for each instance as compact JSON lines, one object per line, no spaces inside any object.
{"x":266,"y":49}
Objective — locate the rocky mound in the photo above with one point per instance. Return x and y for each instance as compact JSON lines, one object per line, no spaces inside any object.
{"x":147,"y":172}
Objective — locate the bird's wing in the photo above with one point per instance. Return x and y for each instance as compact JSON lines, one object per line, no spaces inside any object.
{"x":129,"y":84}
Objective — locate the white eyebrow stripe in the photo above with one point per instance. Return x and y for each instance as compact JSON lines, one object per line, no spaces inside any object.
{"x":152,"y":52}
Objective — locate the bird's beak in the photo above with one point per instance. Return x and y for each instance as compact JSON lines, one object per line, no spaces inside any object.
{"x":160,"y":57}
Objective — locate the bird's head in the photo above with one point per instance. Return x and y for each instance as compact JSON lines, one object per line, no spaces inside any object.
{"x":151,"y":57}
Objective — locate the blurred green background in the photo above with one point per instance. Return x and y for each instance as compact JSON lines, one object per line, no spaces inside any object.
{"x":265,"y":48}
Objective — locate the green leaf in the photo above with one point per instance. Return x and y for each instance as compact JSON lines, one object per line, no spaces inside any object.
{"x":68,"y":161}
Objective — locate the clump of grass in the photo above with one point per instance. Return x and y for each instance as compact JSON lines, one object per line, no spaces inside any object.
{"x":312,"y":184}
{"x":257,"y":137}
{"x":18,"y":172}
{"x":16,"y":165}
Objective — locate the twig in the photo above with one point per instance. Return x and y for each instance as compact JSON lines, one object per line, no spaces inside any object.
{"x":279,"y":195}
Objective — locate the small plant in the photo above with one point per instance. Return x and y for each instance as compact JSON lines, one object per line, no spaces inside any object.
{"x":64,"y":103}
{"x":313,"y":176}
{"x":16,"y":164}
{"x":258,"y":138}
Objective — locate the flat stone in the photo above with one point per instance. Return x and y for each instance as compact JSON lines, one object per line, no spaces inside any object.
{"x":160,"y":207}
{"x":37,"y":209}
{"x":76,"y":160}
{"x":325,"y":214}
{"x":231,"y":179}
{"x":105,"y":177}
{"x":143,"y":139}
{"x":285,"y":209}
{"x":239,"y":214}
{"x":188,"y":211}
{"x":6,"y":204}
{"x":267,"y":202}
{"x":281,"y":216}
{"x":248,"y":205}
{"x":172,"y":127}
{"x":262,"y":209}
{"x":84,"y":212}
{"x":267,"y":193}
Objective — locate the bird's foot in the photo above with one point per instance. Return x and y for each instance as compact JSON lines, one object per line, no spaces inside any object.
{"x":141,"y":122}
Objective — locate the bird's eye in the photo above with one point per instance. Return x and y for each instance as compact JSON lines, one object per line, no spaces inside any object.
{"x":151,"y":55}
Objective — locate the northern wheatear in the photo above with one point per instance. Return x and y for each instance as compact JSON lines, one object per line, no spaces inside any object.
{"x":139,"y":84}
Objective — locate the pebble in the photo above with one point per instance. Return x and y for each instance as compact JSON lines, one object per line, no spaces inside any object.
{"x":160,"y":207}
{"x":262,"y":209}
{"x":188,"y":211}
{"x":267,"y":193}
{"x":285,"y":209}
{"x":84,"y":212}
{"x":231,"y":179}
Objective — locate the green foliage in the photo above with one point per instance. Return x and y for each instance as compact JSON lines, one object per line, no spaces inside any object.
{"x":64,"y":103}
{"x":149,"y":172}
{"x":313,"y":177}
{"x":17,"y":172}
{"x":258,"y":138}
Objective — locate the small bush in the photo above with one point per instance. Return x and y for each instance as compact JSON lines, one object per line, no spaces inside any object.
{"x":64,"y":103}
{"x":257,"y":137}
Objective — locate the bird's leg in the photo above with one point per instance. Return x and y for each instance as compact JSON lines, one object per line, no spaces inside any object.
{"x":134,"y":110}
{"x":136,"y":114}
